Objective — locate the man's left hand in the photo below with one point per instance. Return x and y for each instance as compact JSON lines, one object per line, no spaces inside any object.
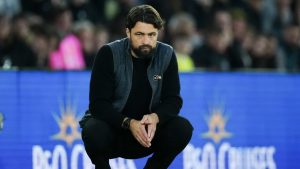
{"x":150,"y":120}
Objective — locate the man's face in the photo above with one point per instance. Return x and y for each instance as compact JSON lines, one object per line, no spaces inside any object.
{"x":143,"y":39}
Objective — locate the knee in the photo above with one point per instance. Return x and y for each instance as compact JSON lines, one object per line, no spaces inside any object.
{"x":179,"y":132}
{"x":96,"y":134}
{"x":183,"y":129}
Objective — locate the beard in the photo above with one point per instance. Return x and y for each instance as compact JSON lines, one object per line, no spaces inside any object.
{"x":143,"y":51}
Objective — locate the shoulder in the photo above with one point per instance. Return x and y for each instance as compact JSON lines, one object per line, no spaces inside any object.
{"x":103,"y":56}
{"x":104,"y":51}
{"x":164,"y":46}
{"x":118,"y":43}
{"x":164,"y":51}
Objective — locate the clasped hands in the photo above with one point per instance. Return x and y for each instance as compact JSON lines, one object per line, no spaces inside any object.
{"x":144,"y":130}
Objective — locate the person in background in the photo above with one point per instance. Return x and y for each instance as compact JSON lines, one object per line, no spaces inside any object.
{"x":183,"y":47}
{"x":290,"y":46}
{"x":135,"y":98}
{"x":40,"y":45}
{"x":238,"y":50}
{"x":101,"y":35}
{"x":213,"y":54}
{"x":85,"y":31}
{"x":184,"y":24}
{"x":283,"y":17}
{"x":262,"y":52}
{"x":15,"y":47}
{"x":69,"y":53}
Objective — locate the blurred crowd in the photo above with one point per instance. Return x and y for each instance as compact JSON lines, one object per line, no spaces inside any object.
{"x":209,"y":35}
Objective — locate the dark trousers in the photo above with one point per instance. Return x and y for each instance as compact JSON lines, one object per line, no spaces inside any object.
{"x":103,"y":142}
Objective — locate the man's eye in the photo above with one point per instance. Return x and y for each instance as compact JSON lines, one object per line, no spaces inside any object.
{"x":152,"y":35}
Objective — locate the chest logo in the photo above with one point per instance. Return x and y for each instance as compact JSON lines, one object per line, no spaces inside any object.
{"x":157,"y":77}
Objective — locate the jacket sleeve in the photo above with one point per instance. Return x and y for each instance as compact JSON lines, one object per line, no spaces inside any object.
{"x":102,"y":89}
{"x":171,"y":102}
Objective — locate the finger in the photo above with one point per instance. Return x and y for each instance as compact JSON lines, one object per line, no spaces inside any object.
{"x":144,"y":132}
{"x":137,"y":131}
{"x":142,"y":142}
{"x":142,"y":135}
{"x":144,"y":119}
{"x":151,"y":132}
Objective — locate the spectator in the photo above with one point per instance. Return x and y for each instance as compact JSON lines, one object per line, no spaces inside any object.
{"x":254,"y":13}
{"x":101,"y":35}
{"x":283,"y":16}
{"x":183,"y":47}
{"x":69,"y":54}
{"x":290,"y":45}
{"x":16,"y":51}
{"x":184,"y":23}
{"x":40,"y":45}
{"x":213,"y":54}
{"x":239,"y":55}
{"x":262,"y":53}
{"x":85,"y":31}
{"x":222,"y":19}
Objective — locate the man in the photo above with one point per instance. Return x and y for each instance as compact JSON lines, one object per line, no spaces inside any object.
{"x":135,"y":98}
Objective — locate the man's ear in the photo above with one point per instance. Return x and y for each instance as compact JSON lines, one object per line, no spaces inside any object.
{"x":128,"y":33}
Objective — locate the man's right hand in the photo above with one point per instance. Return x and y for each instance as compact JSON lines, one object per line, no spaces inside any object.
{"x":139,"y":132}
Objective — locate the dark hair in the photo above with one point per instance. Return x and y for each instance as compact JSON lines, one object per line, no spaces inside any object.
{"x":146,"y":14}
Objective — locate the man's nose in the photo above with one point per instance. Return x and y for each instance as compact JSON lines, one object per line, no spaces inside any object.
{"x":146,"y":40}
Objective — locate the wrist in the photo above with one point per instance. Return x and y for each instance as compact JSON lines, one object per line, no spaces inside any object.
{"x":126,"y":123}
{"x":155,"y":117}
